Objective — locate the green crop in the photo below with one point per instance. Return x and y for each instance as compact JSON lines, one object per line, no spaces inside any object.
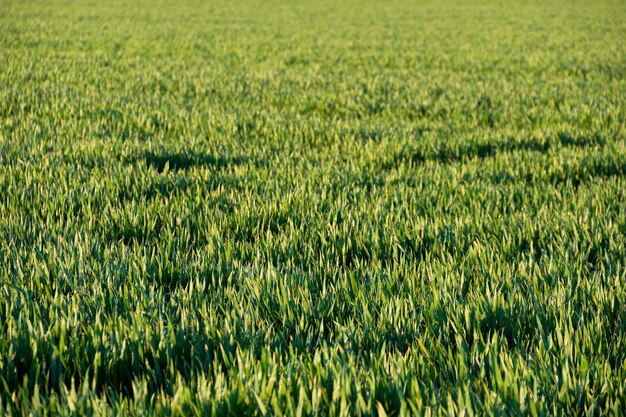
{"x":313,"y":207}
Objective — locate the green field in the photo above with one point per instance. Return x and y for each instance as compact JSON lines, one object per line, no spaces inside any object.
{"x":313,"y":207}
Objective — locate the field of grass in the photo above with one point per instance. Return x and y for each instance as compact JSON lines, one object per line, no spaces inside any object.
{"x":312,"y":207}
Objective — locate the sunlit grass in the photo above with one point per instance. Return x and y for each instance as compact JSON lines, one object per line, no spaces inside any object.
{"x":312,"y":208}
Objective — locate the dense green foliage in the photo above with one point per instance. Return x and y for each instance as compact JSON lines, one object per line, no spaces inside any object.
{"x":312,"y":208}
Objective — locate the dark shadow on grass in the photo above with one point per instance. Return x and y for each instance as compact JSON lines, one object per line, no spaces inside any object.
{"x":581,"y":141}
{"x":589,"y":171}
{"x":189,"y":159}
{"x":447,"y":154}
